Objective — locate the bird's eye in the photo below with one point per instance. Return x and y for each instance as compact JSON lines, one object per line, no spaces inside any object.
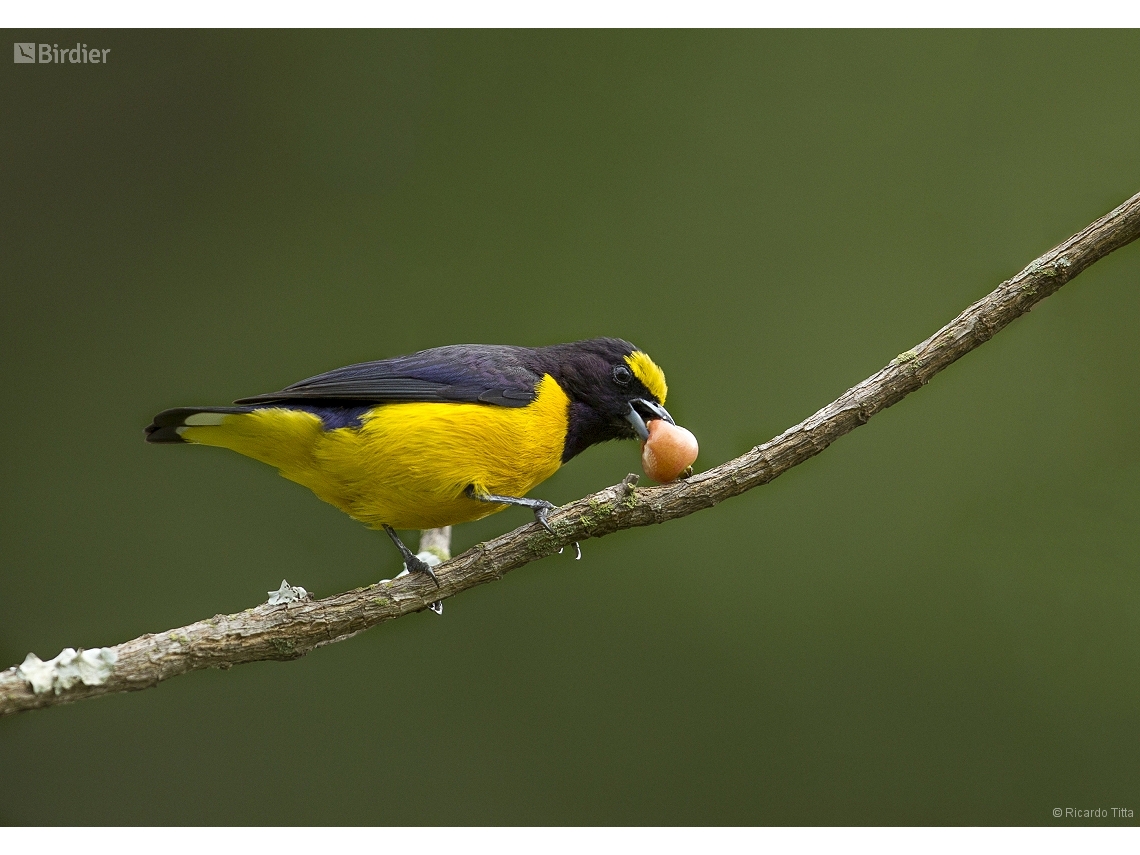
{"x":622,"y":375}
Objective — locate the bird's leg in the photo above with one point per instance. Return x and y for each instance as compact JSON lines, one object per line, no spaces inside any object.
{"x":541,"y":507}
{"x":414,"y":565}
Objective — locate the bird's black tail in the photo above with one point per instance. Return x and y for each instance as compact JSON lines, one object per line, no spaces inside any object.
{"x":168,"y":425}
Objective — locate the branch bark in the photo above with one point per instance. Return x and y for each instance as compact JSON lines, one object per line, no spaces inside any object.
{"x":292,"y":629}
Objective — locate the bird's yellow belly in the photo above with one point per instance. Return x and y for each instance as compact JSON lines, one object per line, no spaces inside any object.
{"x":408,"y":465}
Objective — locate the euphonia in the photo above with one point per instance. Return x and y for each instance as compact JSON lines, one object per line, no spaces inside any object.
{"x":439,"y":437}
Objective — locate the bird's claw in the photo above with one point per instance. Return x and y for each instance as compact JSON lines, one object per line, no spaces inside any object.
{"x":416,"y":565}
{"x":577,"y":551}
{"x":542,"y":513}
{"x":424,"y":567}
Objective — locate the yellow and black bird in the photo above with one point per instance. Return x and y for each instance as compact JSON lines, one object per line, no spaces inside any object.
{"x":439,"y":437}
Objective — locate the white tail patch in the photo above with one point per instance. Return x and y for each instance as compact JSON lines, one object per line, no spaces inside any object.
{"x":203,"y":420}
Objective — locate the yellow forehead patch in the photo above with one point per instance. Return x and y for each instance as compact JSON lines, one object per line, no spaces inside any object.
{"x":646,"y":370}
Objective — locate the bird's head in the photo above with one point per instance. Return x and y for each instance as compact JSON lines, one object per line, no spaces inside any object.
{"x":614,"y":390}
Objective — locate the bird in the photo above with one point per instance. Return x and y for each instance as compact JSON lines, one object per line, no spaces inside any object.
{"x":440,"y":437}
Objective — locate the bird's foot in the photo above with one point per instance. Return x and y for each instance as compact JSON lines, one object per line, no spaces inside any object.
{"x":542,"y":509}
{"x":413,"y":563}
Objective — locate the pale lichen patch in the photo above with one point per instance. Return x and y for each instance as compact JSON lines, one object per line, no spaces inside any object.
{"x":436,"y":554}
{"x":288,"y":594}
{"x":89,"y":667}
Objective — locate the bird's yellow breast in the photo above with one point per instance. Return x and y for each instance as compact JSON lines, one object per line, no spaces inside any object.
{"x":407,"y":465}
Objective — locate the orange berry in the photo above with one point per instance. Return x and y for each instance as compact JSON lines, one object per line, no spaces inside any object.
{"x":670,"y":451}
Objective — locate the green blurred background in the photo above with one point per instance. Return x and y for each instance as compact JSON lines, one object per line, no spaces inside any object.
{"x":936,"y":621}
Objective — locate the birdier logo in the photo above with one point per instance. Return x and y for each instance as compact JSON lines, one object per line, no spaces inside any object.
{"x":80,"y":54}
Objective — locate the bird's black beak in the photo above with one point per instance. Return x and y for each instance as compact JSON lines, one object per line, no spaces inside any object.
{"x":641,"y":410}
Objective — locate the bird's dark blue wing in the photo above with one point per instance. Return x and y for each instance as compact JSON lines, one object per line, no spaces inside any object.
{"x":475,"y":373}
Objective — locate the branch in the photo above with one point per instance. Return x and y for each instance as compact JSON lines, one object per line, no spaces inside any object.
{"x":292,"y":624}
